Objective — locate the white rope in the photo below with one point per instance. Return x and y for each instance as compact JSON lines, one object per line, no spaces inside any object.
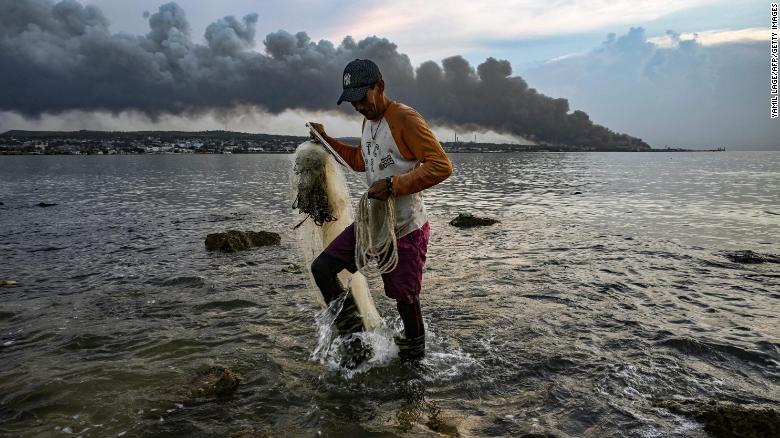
{"x":375,"y":234}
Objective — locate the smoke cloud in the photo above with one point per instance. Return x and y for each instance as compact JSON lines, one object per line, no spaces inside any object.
{"x":60,"y":57}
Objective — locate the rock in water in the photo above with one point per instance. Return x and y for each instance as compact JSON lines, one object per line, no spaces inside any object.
{"x":750,"y":257}
{"x":728,"y":420}
{"x":468,"y":220}
{"x":46,"y":204}
{"x":233,"y":240}
{"x":215,"y":381}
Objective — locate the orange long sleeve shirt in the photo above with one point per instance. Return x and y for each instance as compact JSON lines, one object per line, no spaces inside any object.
{"x":415,"y":141}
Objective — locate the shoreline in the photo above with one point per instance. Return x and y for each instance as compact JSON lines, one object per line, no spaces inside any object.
{"x":283,"y":152}
{"x":226,"y":142}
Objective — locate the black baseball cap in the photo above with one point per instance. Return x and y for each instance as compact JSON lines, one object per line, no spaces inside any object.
{"x":358,"y":76}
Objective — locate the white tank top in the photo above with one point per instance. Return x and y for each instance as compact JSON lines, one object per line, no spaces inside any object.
{"x":383,"y":159}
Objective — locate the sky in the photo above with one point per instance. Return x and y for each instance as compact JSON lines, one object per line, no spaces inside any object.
{"x":691,"y":74}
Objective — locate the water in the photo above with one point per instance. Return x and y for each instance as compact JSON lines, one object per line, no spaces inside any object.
{"x":569,"y":317}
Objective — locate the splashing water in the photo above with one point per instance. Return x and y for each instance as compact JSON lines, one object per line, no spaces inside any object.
{"x":439,"y":365}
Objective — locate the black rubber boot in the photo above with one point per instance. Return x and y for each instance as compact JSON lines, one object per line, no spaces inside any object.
{"x":354,"y":352}
{"x":411,"y":342}
{"x":410,"y":349}
{"x":348,"y":320}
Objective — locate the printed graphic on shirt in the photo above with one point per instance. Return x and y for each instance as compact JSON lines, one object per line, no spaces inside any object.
{"x":386,"y":162}
{"x":372,"y":149}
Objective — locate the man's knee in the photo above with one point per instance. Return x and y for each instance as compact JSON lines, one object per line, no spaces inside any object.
{"x":325,"y":266}
{"x":318,"y":267}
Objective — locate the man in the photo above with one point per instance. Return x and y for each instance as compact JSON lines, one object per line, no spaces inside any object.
{"x":401,"y":157}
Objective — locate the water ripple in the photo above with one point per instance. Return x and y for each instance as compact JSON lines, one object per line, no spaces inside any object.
{"x":603,"y":287}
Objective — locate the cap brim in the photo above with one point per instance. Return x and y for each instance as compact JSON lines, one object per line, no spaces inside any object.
{"x":353,"y":94}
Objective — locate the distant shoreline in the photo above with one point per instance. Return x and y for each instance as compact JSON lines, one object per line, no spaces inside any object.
{"x":227,"y":142}
{"x":18,"y":154}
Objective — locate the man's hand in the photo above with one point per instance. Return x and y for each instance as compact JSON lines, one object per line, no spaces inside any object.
{"x":319,"y":128}
{"x":379,"y":190}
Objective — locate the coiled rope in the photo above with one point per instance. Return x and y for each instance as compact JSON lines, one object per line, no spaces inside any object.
{"x":375,"y":234}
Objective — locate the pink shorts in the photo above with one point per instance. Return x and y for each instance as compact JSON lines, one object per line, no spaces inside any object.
{"x":405,"y":281}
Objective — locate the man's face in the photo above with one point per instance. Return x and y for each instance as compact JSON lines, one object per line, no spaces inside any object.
{"x":368,"y":106}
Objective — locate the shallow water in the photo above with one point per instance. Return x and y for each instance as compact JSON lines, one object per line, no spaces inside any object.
{"x":603,"y":288}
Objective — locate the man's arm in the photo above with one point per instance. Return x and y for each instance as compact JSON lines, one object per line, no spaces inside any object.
{"x":351,"y":154}
{"x":417,"y":139}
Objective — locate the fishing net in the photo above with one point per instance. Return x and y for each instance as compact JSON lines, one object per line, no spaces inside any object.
{"x":375,"y":221}
{"x":311,"y":196}
{"x":319,"y":190}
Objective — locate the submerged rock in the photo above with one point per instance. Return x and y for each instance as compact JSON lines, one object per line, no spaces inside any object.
{"x":420,"y":414}
{"x":292,"y":269}
{"x":728,"y":420}
{"x":750,"y":257}
{"x":468,"y":220}
{"x":45,"y":204}
{"x":233,"y":240}
{"x":214,"y":381}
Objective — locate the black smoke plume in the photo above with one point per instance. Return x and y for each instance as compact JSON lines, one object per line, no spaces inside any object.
{"x":61,"y":56}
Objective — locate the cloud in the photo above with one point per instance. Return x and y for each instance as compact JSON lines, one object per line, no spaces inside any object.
{"x":712,"y":37}
{"x":62,"y":57}
{"x":682,"y":93}
{"x":432,"y":29}
{"x":437,"y":23}
{"x":230,"y":37}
